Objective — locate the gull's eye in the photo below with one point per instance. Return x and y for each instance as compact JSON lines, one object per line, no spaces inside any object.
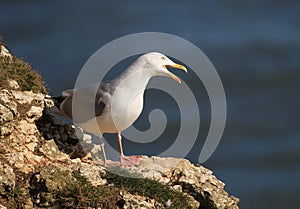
{"x":163,"y":58}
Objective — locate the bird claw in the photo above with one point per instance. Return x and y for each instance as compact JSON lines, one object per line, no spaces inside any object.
{"x":130,"y":160}
{"x":125,"y":161}
{"x":110,"y":163}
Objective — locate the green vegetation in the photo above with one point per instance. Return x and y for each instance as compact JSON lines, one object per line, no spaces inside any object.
{"x":20,"y":71}
{"x":17,"y":191}
{"x":82,"y":194}
{"x":145,"y":187}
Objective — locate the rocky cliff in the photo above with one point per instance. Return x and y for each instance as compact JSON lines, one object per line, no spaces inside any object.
{"x":43,"y":165}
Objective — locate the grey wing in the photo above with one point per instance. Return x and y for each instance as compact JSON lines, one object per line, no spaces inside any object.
{"x":89,"y":103}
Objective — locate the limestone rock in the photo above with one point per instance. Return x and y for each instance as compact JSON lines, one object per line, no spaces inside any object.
{"x":155,"y":167}
{"x":4,"y":52}
{"x":50,"y":150}
{"x":24,"y":97}
{"x":28,"y":204}
{"x":27,"y":128}
{"x":195,"y":181}
{"x":13,"y":84}
{"x":136,"y":201}
{"x":24,"y":161}
{"x":48,"y":101}
{"x":31,"y":146}
{"x":46,"y":183}
{"x":6,"y":129}
{"x":92,"y":173}
{"x":7,"y":179}
{"x":5,"y":114}
{"x":7,"y":100}
{"x":34,"y":113}
{"x":8,"y":110}
{"x":2,"y":207}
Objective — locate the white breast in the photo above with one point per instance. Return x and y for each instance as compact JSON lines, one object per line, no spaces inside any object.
{"x":120,"y":113}
{"x":136,"y":107}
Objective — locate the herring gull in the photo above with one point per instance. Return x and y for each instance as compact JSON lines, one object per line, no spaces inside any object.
{"x":117,"y":103}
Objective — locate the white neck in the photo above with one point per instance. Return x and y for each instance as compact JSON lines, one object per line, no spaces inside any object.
{"x":135,"y":78}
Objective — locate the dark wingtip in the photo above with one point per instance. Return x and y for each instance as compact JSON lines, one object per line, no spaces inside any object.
{"x":58,"y":100}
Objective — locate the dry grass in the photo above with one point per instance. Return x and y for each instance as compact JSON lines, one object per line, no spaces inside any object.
{"x":20,"y":71}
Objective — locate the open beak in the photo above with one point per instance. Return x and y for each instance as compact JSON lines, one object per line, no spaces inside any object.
{"x":177,"y":66}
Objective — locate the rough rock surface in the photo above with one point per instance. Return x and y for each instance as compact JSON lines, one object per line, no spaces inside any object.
{"x":7,"y":178}
{"x":43,"y":165}
{"x":4,"y":52}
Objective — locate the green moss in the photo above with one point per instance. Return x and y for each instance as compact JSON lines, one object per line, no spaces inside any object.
{"x":20,"y":71}
{"x":81,"y":194}
{"x":145,"y":187}
{"x":17,"y":191}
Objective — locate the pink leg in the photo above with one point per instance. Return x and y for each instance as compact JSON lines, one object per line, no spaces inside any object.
{"x":126,"y":160}
{"x":106,"y":162}
{"x":103,"y":153}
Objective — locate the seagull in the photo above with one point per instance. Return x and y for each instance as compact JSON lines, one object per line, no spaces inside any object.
{"x":117,"y":103}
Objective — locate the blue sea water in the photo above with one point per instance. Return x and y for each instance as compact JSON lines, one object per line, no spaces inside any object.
{"x":254,"y":45}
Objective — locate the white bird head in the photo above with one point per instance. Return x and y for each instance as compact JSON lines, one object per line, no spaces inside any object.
{"x":158,"y":64}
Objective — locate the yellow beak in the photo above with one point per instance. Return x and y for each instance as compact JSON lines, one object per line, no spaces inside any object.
{"x":177,"y":66}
